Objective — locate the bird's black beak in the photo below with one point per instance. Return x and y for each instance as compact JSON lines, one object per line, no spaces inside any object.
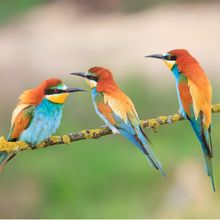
{"x":71,"y":90}
{"x":82,"y":74}
{"x":158,"y":56}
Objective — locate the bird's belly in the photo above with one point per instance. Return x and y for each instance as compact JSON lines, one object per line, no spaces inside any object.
{"x":42,"y":126}
{"x":177,"y":76}
{"x":181,"y":109}
{"x":113,"y":128}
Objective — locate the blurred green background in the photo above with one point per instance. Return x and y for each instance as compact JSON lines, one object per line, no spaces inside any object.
{"x":108,"y":178}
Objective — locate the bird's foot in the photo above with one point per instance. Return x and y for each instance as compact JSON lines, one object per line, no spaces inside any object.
{"x":182,"y":113}
{"x":104,"y":126}
{"x":33,"y":146}
{"x":115,"y":131}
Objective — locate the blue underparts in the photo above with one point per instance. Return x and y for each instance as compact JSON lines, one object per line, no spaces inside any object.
{"x":45,"y":122}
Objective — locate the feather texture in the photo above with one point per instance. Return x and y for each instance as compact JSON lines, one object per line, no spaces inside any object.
{"x":199,"y":84}
{"x":45,"y":121}
{"x":118,"y":112}
{"x":194,"y":94}
{"x":21,"y":122}
{"x":36,"y":95}
{"x":34,"y":118}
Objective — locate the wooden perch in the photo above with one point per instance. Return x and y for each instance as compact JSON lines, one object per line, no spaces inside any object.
{"x":90,"y":134}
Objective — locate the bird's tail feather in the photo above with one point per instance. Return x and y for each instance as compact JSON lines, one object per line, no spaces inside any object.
{"x":151,"y":157}
{"x":204,"y":137}
{"x":142,"y":144}
{"x":4,"y":158}
{"x":208,"y":153}
{"x":208,"y":167}
{"x":153,"y":160}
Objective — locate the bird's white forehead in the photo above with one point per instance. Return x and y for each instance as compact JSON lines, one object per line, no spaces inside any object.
{"x":165,"y":54}
{"x":62,"y":86}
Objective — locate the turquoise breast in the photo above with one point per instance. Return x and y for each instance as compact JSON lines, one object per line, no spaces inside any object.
{"x":45,"y":122}
{"x":177,"y":75}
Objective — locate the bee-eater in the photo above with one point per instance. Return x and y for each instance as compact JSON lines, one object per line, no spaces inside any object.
{"x":38,"y":114}
{"x":194,"y":94}
{"x":117,"y":110}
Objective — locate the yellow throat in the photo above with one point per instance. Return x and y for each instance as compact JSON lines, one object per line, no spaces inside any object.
{"x":58,"y":98}
{"x":169,"y":63}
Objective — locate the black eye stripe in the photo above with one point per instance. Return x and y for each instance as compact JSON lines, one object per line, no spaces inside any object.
{"x":170,"y":57}
{"x":53,"y":91}
{"x":91,"y":77}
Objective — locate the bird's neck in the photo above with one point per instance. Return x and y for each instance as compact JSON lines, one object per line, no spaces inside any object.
{"x":107,"y":86}
{"x":176,"y":72}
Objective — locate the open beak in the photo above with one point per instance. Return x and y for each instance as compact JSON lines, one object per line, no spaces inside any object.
{"x":158,"y":56}
{"x":71,"y":90}
{"x":82,"y":74}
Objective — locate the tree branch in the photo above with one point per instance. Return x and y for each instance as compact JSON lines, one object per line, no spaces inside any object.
{"x":90,"y":134}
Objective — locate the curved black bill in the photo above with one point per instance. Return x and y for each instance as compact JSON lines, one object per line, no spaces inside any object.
{"x":82,"y":74}
{"x":70,"y":90}
{"x":158,"y":56}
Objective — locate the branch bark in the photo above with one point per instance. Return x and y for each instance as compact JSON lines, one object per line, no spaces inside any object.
{"x":90,"y":134}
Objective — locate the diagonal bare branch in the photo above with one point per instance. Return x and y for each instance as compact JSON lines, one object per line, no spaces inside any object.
{"x":91,"y":133}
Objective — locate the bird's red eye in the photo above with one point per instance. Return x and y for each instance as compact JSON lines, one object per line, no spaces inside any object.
{"x":56,"y":90}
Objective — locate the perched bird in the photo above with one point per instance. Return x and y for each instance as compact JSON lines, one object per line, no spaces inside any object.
{"x":194,"y":94}
{"x":117,"y":110}
{"x":38,"y":114}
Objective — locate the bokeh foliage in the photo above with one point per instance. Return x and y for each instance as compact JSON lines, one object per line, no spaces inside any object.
{"x":109,"y":178}
{"x":10,"y":9}
{"x":106,"y":177}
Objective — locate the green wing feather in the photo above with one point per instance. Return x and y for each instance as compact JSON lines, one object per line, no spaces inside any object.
{"x":21,"y":122}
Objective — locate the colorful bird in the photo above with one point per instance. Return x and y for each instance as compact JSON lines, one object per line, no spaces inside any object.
{"x":117,"y":110}
{"x":194,"y":93}
{"x":38,"y":114}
